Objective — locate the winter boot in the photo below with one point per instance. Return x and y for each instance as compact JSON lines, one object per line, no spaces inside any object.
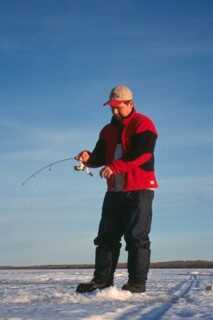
{"x":91,"y":286}
{"x":115,"y":257}
{"x":106,"y":259}
{"x":138,"y":263}
{"x":135,"y":287}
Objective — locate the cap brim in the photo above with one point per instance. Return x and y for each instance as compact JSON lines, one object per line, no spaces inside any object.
{"x":113,"y":103}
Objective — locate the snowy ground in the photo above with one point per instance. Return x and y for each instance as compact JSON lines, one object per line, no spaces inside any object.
{"x":50,"y":295}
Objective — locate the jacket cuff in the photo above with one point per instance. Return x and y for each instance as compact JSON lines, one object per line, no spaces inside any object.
{"x":115,"y":167}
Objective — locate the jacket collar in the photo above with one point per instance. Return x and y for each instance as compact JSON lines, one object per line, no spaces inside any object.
{"x":125,"y":121}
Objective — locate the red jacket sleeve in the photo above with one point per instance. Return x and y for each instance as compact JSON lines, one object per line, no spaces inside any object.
{"x":122,"y":166}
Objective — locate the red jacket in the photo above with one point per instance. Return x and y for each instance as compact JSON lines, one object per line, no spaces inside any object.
{"x":137,"y":135}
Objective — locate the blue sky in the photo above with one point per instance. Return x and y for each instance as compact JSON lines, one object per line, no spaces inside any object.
{"x":59,"y":60}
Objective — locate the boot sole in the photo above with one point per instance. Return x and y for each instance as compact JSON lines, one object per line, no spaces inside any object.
{"x":85,"y":290}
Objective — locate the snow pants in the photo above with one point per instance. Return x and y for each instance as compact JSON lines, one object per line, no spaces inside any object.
{"x":127,"y":214}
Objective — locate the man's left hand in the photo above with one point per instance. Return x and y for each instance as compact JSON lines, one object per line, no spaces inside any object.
{"x":106,"y":172}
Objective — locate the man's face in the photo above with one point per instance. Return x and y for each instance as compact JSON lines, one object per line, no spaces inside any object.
{"x":123,"y":110}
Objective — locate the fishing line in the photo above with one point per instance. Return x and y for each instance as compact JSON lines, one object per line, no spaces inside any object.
{"x":79,"y":167}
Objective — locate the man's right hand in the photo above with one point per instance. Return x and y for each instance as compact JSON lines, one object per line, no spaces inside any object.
{"x":83,"y":156}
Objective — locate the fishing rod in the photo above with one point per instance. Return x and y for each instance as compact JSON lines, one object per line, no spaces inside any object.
{"x":79,"y":167}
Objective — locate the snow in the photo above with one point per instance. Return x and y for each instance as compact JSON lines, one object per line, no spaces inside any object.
{"x":172,"y":294}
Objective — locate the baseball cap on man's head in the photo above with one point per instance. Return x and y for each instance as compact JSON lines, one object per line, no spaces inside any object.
{"x":119,"y":94}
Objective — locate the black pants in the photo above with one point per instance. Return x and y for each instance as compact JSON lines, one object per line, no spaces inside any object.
{"x":127,"y":214}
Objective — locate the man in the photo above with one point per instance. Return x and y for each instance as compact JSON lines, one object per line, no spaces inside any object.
{"x":125,"y":151}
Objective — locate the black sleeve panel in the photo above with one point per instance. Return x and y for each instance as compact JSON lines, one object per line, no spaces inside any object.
{"x":98,"y":157}
{"x":141,"y":143}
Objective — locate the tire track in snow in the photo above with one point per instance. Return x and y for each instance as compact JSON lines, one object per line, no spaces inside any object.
{"x":157,"y":312}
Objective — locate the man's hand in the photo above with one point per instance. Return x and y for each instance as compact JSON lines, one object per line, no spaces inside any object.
{"x":106,"y":172}
{"x":83,"y":156}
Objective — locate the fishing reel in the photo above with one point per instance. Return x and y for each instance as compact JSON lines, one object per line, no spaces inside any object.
{"x":82,"y":167}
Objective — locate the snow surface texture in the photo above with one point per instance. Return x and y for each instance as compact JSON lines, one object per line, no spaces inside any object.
{"x":50,"y":295}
